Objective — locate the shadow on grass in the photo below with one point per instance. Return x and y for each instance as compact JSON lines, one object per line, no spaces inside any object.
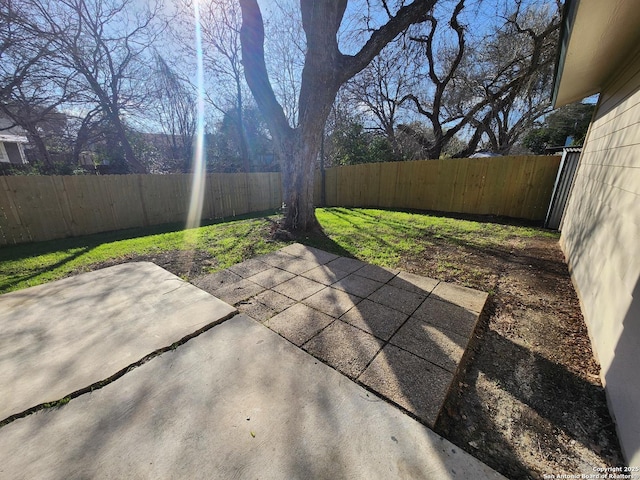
{"x":26,"y":250}
{"x":67,"y":250}
{"x":441,"y":228}
{"x":319,"y":239}
{"x":7,"y":286}
{"x":494,"y":219}
{"x":364,"y":235}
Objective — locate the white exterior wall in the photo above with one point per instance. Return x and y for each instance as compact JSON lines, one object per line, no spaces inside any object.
{"x":601,"y":240}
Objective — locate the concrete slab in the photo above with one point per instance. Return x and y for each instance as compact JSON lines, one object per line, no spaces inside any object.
{"x":439,"y":346}
{"x":265,"y":305}
{"x":256,"y":310}
{"x":295,"y":249}
{"x":414,"y":283}
{"x":379,"y":274}
{"x":299,"y":288}
{"x":215,"y":281}
{"x":417,"y":315}
{"x":332,"y":302}
{"x":271,"y":277}
{"x":447,"y":316}
{"x":375,"y":319}
{"x":285,"y":261}
{"x":299,"y":323}
{"x":298,"y":265}
{"x":325,"y":275}
{"x":309,"y":253}
{"x":357,"y":285}
{"x":249,"y":267}
{"x":63,"y":336}
{"x":398,"y":299}
{"x":415,"y":384}
{"x":344,"y":347}
{"x":472,"y":300}
{"x":346,"y":264}
{"x":235,"y":402}
{"x":275,"y":259}
{"x":238,"y":292}
{"x":274,"y":300}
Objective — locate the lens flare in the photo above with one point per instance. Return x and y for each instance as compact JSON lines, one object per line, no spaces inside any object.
{"x":198,"y":179}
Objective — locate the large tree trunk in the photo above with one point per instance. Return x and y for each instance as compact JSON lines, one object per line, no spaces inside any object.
{"x":299,"y":154}
{"x":435,"y":150}
{"x":132,"y":160}
{"x":298,"y":157}
{"x":242,"y":133}
{"x":325,"y":69}
{"x":43,"y":152}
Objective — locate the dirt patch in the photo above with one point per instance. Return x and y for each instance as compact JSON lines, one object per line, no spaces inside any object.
{"x":186,"y":264}
{"x":530,"y":402}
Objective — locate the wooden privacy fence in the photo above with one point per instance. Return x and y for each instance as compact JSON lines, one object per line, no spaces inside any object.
{"x":35,"y":208}
{"x":519,"y":187}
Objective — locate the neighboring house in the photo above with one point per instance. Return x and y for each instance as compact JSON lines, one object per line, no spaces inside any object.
{"x":600,"y":53}
{"x":12,"y":139}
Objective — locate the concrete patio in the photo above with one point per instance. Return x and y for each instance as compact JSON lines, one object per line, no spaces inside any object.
{"x":166,"y":381}
{"x":400,"y":335}
{"x":64,"y":336}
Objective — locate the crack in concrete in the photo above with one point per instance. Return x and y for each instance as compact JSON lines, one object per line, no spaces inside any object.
{"x":120,"y":373}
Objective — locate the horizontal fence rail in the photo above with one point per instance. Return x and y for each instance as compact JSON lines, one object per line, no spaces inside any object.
{"x":36,"y":208}
{"x":514,"y":186}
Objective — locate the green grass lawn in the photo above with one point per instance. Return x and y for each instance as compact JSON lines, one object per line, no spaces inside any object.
{"x":377,"y":236}
{"x":229,"y":242}
{"x":382,"y":236}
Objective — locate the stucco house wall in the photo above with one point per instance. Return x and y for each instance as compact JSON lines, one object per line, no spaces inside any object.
{"x":601,"y":241}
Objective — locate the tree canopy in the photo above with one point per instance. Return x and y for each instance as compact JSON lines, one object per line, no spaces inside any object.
{"x":286,"y":82}
{"x":566,"y":125}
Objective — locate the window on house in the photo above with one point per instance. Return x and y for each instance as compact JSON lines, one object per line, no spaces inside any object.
{"x":3,"y":154}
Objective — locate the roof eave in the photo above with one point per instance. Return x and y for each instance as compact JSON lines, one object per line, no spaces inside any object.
{"x":568,"y":17}
{"x":595,"y":39}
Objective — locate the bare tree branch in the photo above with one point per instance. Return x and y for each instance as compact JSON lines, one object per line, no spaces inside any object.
{"x":408,"y":15}
{"x":252,"y":39}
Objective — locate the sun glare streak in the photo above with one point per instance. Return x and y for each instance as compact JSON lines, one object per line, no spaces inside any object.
{"x":199,"y":153}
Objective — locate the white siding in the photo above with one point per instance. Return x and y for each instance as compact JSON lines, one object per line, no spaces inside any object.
{"x":601,"y":240}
